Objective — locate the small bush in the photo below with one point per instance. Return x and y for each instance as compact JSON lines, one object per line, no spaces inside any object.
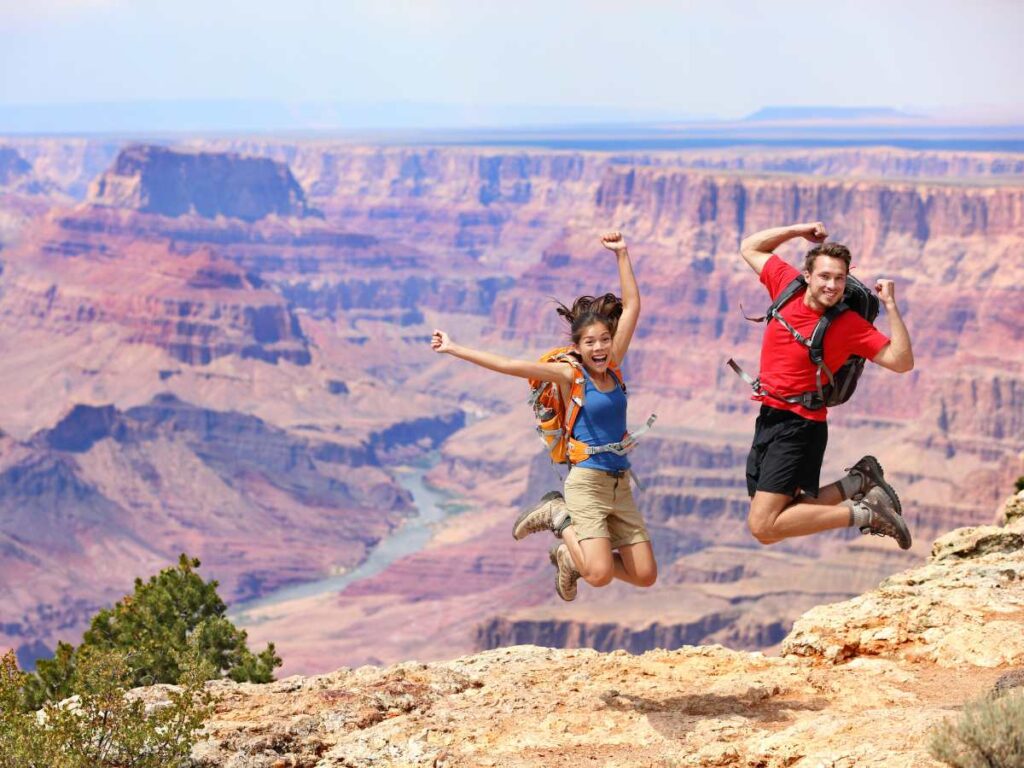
{"x":989,"y":734}
{"x":101,"y":726}
{"x":1019,"y":484}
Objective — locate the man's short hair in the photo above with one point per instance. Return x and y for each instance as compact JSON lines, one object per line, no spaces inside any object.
{"x":834,"y":250}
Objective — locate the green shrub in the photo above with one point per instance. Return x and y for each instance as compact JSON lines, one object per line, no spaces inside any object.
{"x":1020,"y":484}
{"x":989,"y":734}
{"x":102,"y":727}
{"x":150,"y":628}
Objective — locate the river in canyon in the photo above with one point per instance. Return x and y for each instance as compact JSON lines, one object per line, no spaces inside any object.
{"x":431,"y":507}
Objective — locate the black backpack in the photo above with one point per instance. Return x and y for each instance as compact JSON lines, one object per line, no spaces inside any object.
{"x":833,"y":388}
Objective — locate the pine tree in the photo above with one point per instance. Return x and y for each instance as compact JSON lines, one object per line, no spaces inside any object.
{"x":151,"y":627}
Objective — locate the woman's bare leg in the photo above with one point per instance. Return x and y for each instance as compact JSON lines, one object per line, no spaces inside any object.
{"x":593,"y":557}
{"x":635,"y":564}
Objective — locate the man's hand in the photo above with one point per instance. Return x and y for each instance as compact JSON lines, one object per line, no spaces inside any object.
{"x":813,"y":231}
{"x":613,"y":241}
{"x":886,"y":291}
{"x":440,"y":342}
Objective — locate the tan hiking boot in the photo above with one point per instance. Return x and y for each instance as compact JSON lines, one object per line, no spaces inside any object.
{"x":550,"y":514}
{"x":885,"y":521}
{"x":865,"y":475}
{"x":566,"y":574}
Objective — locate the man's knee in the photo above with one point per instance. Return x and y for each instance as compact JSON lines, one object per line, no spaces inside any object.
{"x":761,"y":528}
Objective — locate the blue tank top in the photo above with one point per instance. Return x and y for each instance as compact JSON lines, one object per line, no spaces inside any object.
{"x":602,"y":421}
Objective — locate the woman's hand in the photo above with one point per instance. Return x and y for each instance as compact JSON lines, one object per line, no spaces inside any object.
{"x":613,"y":241}
{"x":440,"y":342}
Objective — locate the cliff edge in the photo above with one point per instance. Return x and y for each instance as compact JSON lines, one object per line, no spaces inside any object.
{"x":860,"y":684}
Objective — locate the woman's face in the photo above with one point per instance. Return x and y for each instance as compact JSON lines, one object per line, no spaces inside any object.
{"x":595,"y":347}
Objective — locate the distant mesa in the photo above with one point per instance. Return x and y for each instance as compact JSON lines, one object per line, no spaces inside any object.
{"x":174,"y":182}
{"x":838,"y":114}
{"x":12,"y":166}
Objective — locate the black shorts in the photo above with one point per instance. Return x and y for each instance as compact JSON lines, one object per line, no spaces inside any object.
{"x":786,"y":454}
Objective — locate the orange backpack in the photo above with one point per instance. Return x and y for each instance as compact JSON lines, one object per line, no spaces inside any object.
{"x":554,"y":424}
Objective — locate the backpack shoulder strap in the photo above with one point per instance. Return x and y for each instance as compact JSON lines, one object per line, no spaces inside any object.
{"x":577,"y":392}
{"x":616,"y":372}
{"x":816,"y":345}
{"x":792,"y":288}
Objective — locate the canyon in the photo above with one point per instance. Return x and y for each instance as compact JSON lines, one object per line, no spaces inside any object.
{"x":221,"y":347}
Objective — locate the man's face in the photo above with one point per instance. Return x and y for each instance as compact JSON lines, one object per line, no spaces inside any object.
{"x":826,"y":282}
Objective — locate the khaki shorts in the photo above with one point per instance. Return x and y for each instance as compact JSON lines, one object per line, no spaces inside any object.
{"x":601,"y":507}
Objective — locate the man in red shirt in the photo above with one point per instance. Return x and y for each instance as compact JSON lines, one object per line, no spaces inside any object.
{"x":789,"y":439}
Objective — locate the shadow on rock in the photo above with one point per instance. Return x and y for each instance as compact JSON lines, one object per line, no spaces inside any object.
{"x":674,"y":717}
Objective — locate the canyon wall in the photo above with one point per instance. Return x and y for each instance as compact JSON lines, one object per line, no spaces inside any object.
{"x":297,"y":284}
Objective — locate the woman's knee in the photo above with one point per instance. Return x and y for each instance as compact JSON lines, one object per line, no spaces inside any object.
{"x":646,"y":577}
{"x":598,"y":576}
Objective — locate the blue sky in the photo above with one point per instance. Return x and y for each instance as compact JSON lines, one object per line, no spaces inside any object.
{"x":724,"y":58}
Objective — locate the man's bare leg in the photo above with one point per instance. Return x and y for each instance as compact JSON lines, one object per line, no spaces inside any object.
{"x":777,"y":516}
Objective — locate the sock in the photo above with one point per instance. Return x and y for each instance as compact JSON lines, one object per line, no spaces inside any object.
{"x":559,"y":515}
{"x":860,"y":515}
{"x":849,"y":485}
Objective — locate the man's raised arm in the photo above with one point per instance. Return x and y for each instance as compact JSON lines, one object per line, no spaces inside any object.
{"x":757,"y":248}
{"x":897,"y":355}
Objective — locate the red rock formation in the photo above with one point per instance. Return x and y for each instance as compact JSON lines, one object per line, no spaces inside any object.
{"x":117,"y":307}
{"x":13,"y":166}
{"x":171,"y":182}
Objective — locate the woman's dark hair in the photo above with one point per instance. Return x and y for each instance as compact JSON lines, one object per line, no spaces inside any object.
{"x":587,"y":310}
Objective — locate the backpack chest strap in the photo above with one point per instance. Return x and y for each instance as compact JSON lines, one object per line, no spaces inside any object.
{"x":619,"y":447}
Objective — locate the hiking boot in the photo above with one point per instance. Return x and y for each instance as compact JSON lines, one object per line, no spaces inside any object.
{"x":865,"y":475}
{"x":550,"y":514}
{"x":566,"y":574}
{"x":885,"y":521}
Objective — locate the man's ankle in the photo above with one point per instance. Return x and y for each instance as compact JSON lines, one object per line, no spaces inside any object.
{"x":860,"y":515}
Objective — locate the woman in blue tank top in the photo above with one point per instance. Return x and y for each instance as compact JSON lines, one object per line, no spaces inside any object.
{"x":603,"y":535}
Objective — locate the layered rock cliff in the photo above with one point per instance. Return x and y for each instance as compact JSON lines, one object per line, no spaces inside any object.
{"x":13,"y":166}
{"x":319,"y":328}
{"x":943,"y":432}
{"x":170,"y":182}
{"x":108,"y":493}
{"x":116,"y":317}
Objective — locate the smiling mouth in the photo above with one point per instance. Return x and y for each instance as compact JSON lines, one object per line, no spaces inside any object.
{"x":599,"y":358}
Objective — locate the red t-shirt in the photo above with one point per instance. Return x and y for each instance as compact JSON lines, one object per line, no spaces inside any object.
{"x":786,"y":368}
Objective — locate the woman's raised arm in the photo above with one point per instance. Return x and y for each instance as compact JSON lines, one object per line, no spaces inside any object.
{"x":561,"y":373}
{"x":614,"y":241}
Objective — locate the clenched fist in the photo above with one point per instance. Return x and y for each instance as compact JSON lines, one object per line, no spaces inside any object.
{"x":886,"y":291}
{"x":440,"y":342}
{"x":613,"y":241}
{"x":815,"y":232}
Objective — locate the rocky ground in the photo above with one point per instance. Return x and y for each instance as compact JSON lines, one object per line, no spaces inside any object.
{"x":859,"y":683}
